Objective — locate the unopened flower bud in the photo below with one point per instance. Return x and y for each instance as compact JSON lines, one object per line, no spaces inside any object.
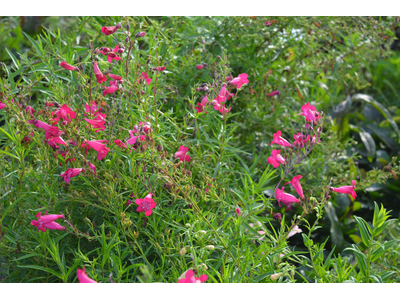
{"x":159,"y":148}
{"x":198,"y":89}
{"x":140,"y":34}
{"x":136,"y":234}
{"x":187,"y":225}
{"x":127,"y":27}
{"x":126,"y":39}
{"x":205,"y":88}
{"x":308,"y":126}
{"x":183,"y":251}
{"x":319,"y":130}
{"x":210,"y":247}
{"x":275,"y":276}
{"x":203,"y":266}
{"x":118,"y":25}
{"x":202,"y":232}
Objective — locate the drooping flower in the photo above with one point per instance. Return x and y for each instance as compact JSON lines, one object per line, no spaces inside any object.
{"x":128,"y":202}
{"x":68,"y":66}
{"x":97,"y":124}
{"x":199,"y":107}
{"x":295,"y":182}
{"x":49,"y":104}
{"x":110,"y":29}
{"x":300,"y":140}
{"x":2,"y":105}
{"x":295,"y":230}
{"x":182,"y":153}
{"x":276,"y":158}
{"x":47,"y":221}
{"x":93,"y":110}
{"x":120,"y":144}
{"x":92,"y":167}
{"x":100,"y":77}
{"x":347,"y":189}
{"x":240,"y":80}
{"x":31,"y":110}
{"x":285,"y":198}
{"x":199,"y":67}
{"x":189,"y":278}
{"x":159,"y":69}
{"x":145,"y":77}
{"x":278,"y":139}
{"x":310,"y":113}
{"x":274,"y":93}
{"x":67,"y":175}
{"x":115,"y":77}
{"x":112,"y":88}
{"x":54,"y":134}
{"x":83,"y":278}
{"x":64,"y":113}
{"x":97,"y":146}
{"x":147,"y":204}
{"x":223,"y":95}
{"x":39,"y":124}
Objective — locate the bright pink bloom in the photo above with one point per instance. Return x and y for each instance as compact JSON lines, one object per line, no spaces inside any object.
{"x":82,"y":277}
{"x":310,"y":112}
{"x":145,"y":77}
{"x":97,"y":146}
{"x":228,"y":78}
{"x":39,"y":124}
{"x":199,"y":67}
{"x":240,"y":80}
{"x":182,"y":153}
{"x":29,"y":109}
{"x":2,"y":105}
{"x":189,"y":278}
{"x":64,"y":113}
{"x":268,"y":23}
{"x":112,"y":54}
{"x":68,"y":67}
{"x":54,"y":134}
{"x":100,"y":77}
{"x":67,"y":175}
{"x":47,"y":221}
{"x":295,"y":230}
{"x":120,"y":144}
{"x":93,"y":110}
{"x":128,"y":202}
{"x":92,"y":167}
{"x":238,"y":211}
{"x":115,"y":77}
{"x":223,"y":95}
{"x":112,"y":88}
{"x":300,"y":140}
{"x":276,"y":158}
{"x":347,"y":189}
{"x":53,"y":145}
{"x":159,"y":69}
{"x":199,"y":107}
{"x":286,"y":198}
{"x":295,"y":182}
{"x":48,"y":104}
{"x":97,"y":124}
{"x":274,"y":93}
{"x":278,"y":139}
{"x":147,"y":204}
{"x":110,"y":29}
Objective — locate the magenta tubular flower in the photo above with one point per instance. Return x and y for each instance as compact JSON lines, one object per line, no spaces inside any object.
{"x":2,"y":105}
{"x":159,"y":69}
{"x":238,"y":211}
{"x":54,"y":134}
{"x":100,"y":77}
{"x":189,"y":278}
{"x":40,"y":124}
{"x":347,"y":189}
{"x":274,"y":93}
{"x":140,"y":34}
{"x":199,"y":67}
{"x":47,"y":221}
{"x":182,"y":153}
{"x":110,"y":29}
{"x":222,"y":95}
{"x":204,"y":100}
{"x":82,"y":277}
{"x":120,"y":144}
{"x":145,"y":77}
{"x":314,"y":140}
{"x":295,"y":230}
{"x":295,"y":182}
{"x":67,"y":175}
{"x":199,"y":108}
{"x":64,"y":113}
{"x":29,"y":109}
{"x":92,"y":167}
{"x":285,"y":198}
{"x":300,"y":140}
{"x":49,"y":104}
{"x":97,"y":124}
{"x":276,"y":158}
{"x":240,"y":80}
{"x":112,"y":54}
{"x":115,"y":77}
{"x":147,"y":204}
{"x":280,"y":140}
{"x":310,"y":113}
{"x":110,"y":90}
{"x":68,"y":66}
{"x":97,"y":146}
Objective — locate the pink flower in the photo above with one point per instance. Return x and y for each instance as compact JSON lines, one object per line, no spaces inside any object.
{"x":238,"y":211}
{"x":64,"y":113}
{"x":182,"y":153}
{"x":97,"y":146}
{"x":280,"y":140}
{"x":295,"y":182}
{"x":47,"y":221}
{"x":199,"y":67}
{"x":189,"y":278}
{"x":120,"y":144}
{"x":347,"y":189}
{"x":99,"y":76}
{"x":2,"y":105}
{"x":310,"y":112}
{"x":314,"y":140}
{"x":240,"y":80}
{"x":30,"y":110}
{"x":48,"y":104}
{"x":54,"y":134}
{"x":159,"y":69}
{"x":274,"y":93}
{"x":111,"y":53}
{"x":295,"y":230}
{"x":97,"y":124}
{"x":223,"y":95}
{"x":93,"y":110}
{"x":300,"y":140}
{"x":82,"y":277}
{"x":67,"y":175}
{"x":110,"y":29}
{"x":140,"y":34}
{"x":199,"y":108}
{"x":128,"y":202}
{"x":115,"y":77}
{"x":112,"y":88}
{"x":68,"y":67}
{"x":276,"y":158}
{"x":145,"y":77}
{"x":92,"y":167}
{"x":268,"y":23}
{"x":39,"y":124}
{"x":147,"y":204}
{"x":286,"y":198}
